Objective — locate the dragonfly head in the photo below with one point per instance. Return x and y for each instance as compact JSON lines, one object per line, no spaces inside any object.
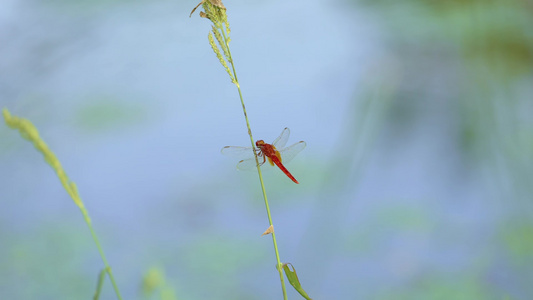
{"x":259,"y":143}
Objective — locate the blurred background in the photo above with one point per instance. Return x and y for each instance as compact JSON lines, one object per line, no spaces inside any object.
{"x":416,"y":182}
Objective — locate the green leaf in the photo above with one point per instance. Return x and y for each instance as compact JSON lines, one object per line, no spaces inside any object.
{"x":293,"y":279}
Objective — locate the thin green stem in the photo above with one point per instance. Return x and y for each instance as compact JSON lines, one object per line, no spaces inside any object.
{"x":279,"y":265}
{"x":99,"y":285}
{"x":28,"y":131}
{"x":107,"y":267}
{"x":73,"y":192}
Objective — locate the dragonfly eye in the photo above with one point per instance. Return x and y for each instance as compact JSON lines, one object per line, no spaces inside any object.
{"x":259,"y":143}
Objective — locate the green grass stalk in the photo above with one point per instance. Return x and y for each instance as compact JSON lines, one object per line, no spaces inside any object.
{"x":279,"y":265}
{"x":28,"y":131}
{"x":216,"y":13}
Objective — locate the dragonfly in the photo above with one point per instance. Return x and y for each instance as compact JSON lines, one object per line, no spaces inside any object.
{"x":275,"y":153}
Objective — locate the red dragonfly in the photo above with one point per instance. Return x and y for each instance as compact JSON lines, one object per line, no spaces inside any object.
{"x":267,"y":151}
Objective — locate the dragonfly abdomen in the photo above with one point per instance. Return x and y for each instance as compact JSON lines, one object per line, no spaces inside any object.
{"x":283,"y":169}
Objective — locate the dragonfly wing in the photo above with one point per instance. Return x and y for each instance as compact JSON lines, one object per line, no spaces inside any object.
{"x":248,"y":164}
{"x":246,"y":154}
{"x":238,"y":152}
{"x":290,"y":152}
{"x":282,"y":139}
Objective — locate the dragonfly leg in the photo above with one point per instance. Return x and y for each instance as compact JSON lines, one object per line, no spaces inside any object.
{"x":264,"y":158}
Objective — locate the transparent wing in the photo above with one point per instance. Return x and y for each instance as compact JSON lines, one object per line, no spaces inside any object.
{"x":238,"y":152}
{"x":282,"y":139}
{"x":290,"y":152}
{"x":249,"y":164}
{"x":245,"y":154}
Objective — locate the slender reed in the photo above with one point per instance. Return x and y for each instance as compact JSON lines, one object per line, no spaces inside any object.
{"x":216,"y":13}
{"x":29,"y":132}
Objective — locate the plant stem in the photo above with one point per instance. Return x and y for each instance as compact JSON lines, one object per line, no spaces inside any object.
{"x":99,"y":285}
{"x":107,"y":267}
{"x":278,"y":265}
{"x":73,"y":192}
{"x":28,"y":131}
